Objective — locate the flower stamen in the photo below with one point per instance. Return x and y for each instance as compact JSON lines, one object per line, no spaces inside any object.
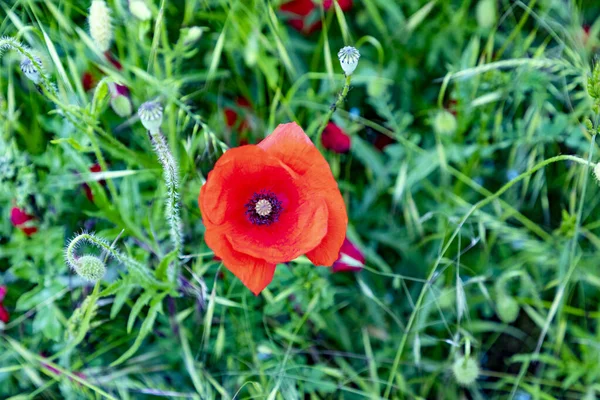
{"x":263,"y":208}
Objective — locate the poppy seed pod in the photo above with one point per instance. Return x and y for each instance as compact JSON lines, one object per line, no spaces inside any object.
{"x":100,"y":25}
{"x":507,"y":308}
{"x":465,"y":371}
{"x":444,"y":123}
{"x":90,"y":268}
{"x":151,"y":115}
{"x":30,"y":70}
{"x":140,"y":10}
{"x":348,"y":57}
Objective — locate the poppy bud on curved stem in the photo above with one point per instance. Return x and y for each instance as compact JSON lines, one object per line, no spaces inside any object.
{"x":151,"y":114}
{"x":465,"y":370}
{"x":92,"y":268}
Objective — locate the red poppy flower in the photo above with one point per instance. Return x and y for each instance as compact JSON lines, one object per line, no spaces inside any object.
{"x":21,"y":220}
{"x":87,"y":81}
{"x":88,"y":190}
{"x":269,"y":203}
{"x":351,"y":259}
{"x":335,"y":139}
{"x":232,"y":117}
{"x":301,"y":10}
{"x":4,"y":315}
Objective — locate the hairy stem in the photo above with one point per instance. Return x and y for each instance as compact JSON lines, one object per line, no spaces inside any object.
{"x":340,"y":99}
{"x":171,"y":177}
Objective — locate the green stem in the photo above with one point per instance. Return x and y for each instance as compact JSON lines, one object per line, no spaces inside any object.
{"x":340,"y":99}
{"x":171,"y":177}
{"x":482,"y":203}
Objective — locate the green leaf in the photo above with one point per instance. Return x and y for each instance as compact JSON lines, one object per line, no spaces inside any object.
{"x":137,"y":307}
{"x":47,"y":321}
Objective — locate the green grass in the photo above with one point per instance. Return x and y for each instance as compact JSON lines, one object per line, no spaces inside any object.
{"x":459,"y":225}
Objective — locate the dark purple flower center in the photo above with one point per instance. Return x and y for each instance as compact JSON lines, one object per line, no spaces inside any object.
{"x":263,"y":208}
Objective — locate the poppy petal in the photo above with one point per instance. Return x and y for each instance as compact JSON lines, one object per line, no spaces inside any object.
{"x":4,"y":315}
{"x":254,"y":273}
{"x":289,"y":143}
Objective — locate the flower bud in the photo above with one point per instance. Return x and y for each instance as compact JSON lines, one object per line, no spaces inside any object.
{"x":90,"y":268}
{"x":348,"y":57}
{"x":140,"y":10}
{"x":507,"y":308}
{"x":151,"y":114}
{"x":465,"y":370}
{"x":119,"y":100}
{"x":100,"y":25}
{"x":486,"y":14}
{"x":444,"y":123}
{"x":350,"y":258}
{"x":192,"y":35}
{"x":29,"y":69}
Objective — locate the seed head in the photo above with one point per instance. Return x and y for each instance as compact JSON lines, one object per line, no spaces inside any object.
{"x":444,"y":123}
{"x":140,"y":10}
{"x":348,"y":57}
{"x":100,"y":25}
{"x":29,"y":69}
{"x":465,"y":370}
{"x":90,"y":268}
{"x":151,"y":114}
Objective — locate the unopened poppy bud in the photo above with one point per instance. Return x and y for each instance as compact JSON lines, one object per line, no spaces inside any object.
{"x":350,"y":258}
{"x":100,"y":25}
{"x":193,"y":35}
{"x":444,"y":123}
{"x":119,"y":100}
{"x":348,"y":57}
{"x":507,"y":308}
{"x":151,"y":114}
{"x":465,"y":370}
{"x":90,"y":268}
{"x":30,"y":70}
{"x":140,"y":10}
{"x":486,"y":14}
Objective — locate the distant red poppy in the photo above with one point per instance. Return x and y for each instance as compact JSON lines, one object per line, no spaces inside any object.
{"x":88,"y":81}
{"x":335,"y":139}
{"x":350,"y":259}
{"x":88,"y":191}
{"x":232,"y":117}
{"x":269,"y":203}
{"x":302,"y":11}
{"x":382,"y":141}
{"x":21,"y":220}
{"x":4,"y":315}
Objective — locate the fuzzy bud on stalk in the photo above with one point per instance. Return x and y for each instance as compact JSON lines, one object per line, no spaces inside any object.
{"x":140,"y":10}
{"x":465,"y":371}
{"x":119,"y":100}
{"x":348,"y":57}
{"x":100,"y":25}
{"x":444,"y":123}
{"x":151,"y":115}
{"x":90,"y":268}
{"x":507,"y":308}
{"x":192,"y":35}
{"x":30,"y":71}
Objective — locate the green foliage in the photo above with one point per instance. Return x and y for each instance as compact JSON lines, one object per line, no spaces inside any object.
{"x":467,"y":185}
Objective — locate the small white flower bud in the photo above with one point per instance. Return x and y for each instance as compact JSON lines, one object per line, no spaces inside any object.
{"x":193,"y":35}
{"x":348,"y":57}
{"x":444,"y":123}
{"x":140,"y":10}
{"x":29,"y":69}
{"x":100,"y":25}
{"x":151,"y":114}
{"x":465,"y":370}
{"x":90,"y":268}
